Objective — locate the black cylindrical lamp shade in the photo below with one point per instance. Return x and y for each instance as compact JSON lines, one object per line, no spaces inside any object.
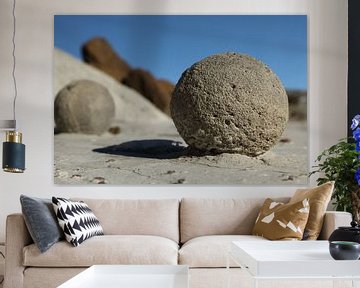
{"x":13,"y":157}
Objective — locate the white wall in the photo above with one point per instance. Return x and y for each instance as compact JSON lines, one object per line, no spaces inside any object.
{"x":327,"y":88}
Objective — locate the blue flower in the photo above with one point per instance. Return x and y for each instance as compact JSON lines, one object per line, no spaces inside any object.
{"x":357,"y":176}
{"x":356,"y":134}
{"x":355,"y":122}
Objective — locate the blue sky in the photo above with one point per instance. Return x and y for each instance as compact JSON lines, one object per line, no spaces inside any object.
{"x":167,"y":45}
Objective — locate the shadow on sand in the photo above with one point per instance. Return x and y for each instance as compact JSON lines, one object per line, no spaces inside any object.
{"x":153,"y":148}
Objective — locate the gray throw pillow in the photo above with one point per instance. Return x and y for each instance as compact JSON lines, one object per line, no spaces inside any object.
{"x":41,"y":221}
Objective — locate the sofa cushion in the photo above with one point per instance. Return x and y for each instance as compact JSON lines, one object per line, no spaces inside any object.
{"x":107,"y":249}
{"x":35,"y":277}
{"x":211,"y":251}
{"x":200,"y":217}
{"x":77,"y":220}
{"x":319,"y":198}
{"x":41,"y":221}
{"x":158,"y":217}
{"x":279,"y":221}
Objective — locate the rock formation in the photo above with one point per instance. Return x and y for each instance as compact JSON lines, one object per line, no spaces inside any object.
{"x":144,"y":82}
{"x":98,"y":53}
{"x":84,"y":106}
{"x":230,"y":103}
{"x":168,"y":88}
{"x":297,"y":104}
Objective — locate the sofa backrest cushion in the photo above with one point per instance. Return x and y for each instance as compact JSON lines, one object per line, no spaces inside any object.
{"x":159,"y":217}
{"x":200,"y":217}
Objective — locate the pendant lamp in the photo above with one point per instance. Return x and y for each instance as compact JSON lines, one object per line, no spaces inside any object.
{"x":13,"y":149}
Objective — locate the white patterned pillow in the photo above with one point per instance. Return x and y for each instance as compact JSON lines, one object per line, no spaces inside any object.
{"x":77,"y":220}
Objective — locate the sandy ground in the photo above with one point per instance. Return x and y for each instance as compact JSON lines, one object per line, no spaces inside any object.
{"x":148,"y":150}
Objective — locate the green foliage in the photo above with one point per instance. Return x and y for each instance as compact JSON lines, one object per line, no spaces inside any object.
{"x":339,"y":163}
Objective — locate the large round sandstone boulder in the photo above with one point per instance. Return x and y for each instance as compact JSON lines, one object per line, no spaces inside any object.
{"x":230,"y":103}
{"x":84,"y":106}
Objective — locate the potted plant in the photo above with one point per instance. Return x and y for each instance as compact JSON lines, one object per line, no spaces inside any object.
{"x":341,"y":163}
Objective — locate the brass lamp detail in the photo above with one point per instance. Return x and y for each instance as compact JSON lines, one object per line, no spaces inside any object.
{"x":13,"y":136}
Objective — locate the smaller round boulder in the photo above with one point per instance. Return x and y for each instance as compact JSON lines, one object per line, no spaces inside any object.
{"x":84,"y":106}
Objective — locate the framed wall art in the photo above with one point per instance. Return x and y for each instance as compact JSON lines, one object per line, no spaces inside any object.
{"x":180,"y":99}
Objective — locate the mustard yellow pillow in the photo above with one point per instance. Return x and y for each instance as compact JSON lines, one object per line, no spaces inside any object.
{"x":279,"y":221}
{"x":319,"y":198}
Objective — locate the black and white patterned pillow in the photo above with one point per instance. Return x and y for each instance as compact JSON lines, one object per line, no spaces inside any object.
{"x":77,"y":220}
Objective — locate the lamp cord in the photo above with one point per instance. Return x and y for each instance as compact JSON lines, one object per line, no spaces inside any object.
{"x":14,"y":60}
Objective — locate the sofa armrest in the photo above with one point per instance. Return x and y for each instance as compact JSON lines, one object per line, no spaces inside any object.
{"x":17,"y":237}
{"x":333,"y":220}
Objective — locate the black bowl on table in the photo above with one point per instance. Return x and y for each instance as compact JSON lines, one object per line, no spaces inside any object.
{"x":346,"y":233}
{"x":344,"y":250}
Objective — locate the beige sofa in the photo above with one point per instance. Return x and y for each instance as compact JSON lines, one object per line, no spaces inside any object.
{"x":194,"y":232}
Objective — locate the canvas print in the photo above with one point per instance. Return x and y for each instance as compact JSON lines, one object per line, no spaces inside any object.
{"x":180,"y":99}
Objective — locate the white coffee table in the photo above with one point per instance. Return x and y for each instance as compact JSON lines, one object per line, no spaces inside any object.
{"x":131,"y":276}
{"x":292,"y":260}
